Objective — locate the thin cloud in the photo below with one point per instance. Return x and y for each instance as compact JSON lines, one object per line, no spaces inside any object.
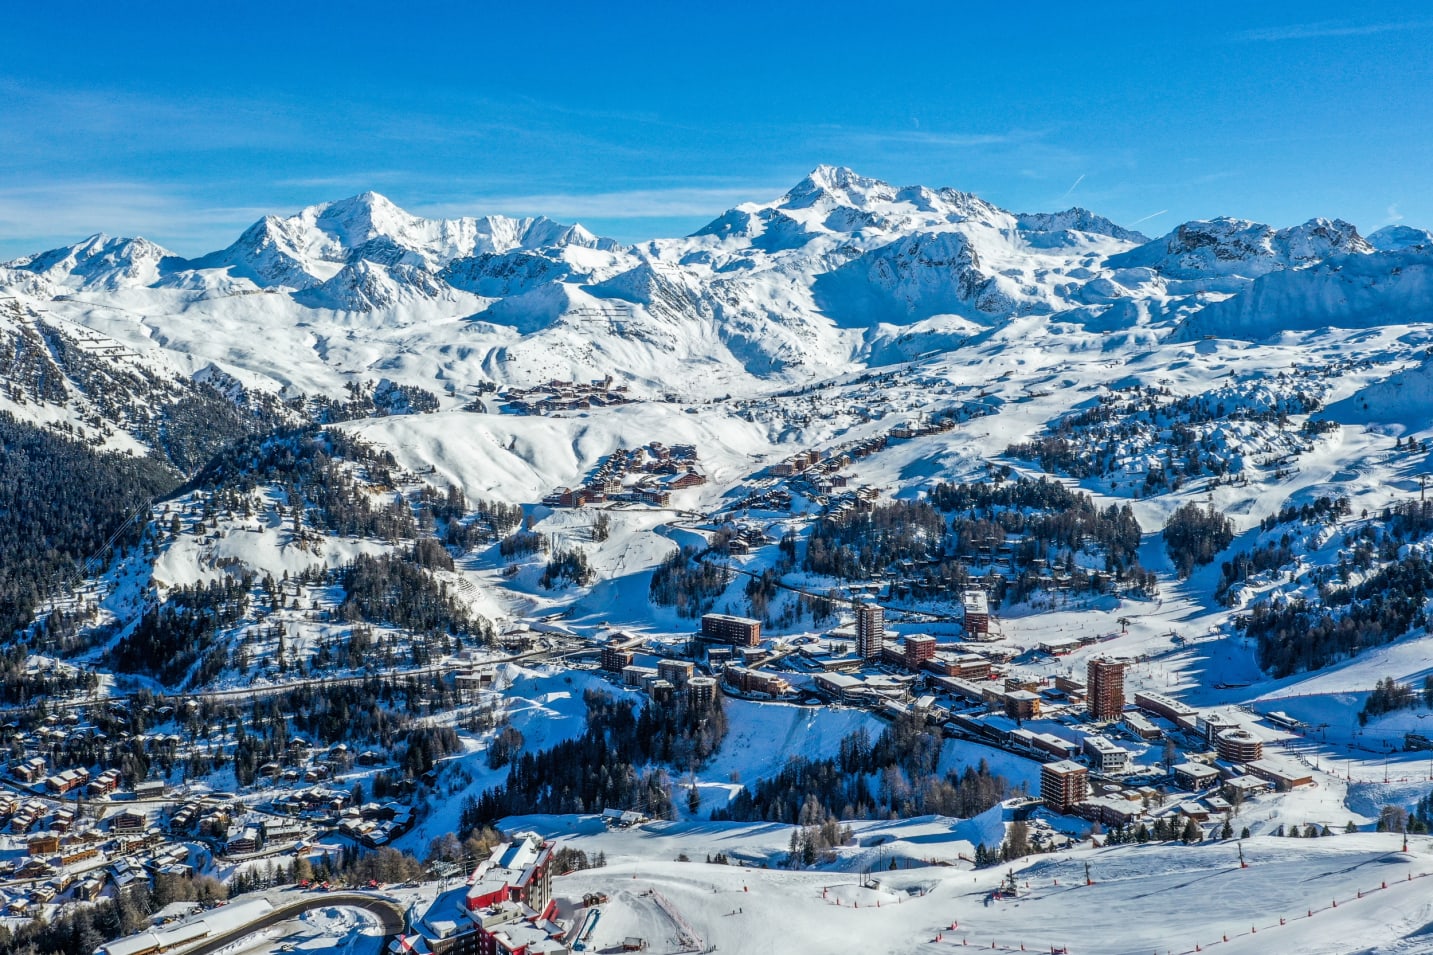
{"x":1325,"y":29}
{"x":1150,"y":216}
{"x":1393,"y":214}
{"x":923,"y":137}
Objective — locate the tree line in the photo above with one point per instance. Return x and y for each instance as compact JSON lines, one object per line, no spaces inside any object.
{"x":895,"y":776}
{"x":611,"y":765}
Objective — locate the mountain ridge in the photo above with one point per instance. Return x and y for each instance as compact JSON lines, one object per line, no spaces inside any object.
{"x":823,"y":279}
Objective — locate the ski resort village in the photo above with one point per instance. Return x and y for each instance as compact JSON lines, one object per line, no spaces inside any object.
{"x":873,"y":570}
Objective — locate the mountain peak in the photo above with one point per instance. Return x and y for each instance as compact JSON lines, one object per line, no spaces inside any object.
{"x":841,"y":183}
{"x":1077,"y":219}
{"x":368,"y":201}
{"x":1396,"y":238}
{"x":828,"y":176}
{"x":101,"y":261}
{"x":359,"y":218}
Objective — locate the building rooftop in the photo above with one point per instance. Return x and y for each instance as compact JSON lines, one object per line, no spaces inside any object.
{"x":1064,"y":767}
{"x":1103,"y":745}
{"x":730,"y":618}
{"x":840,"y":680}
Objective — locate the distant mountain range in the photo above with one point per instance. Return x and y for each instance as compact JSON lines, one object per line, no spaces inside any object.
{"x":841,"y":272}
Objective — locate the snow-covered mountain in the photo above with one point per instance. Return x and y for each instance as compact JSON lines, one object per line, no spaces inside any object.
{"x":1243,"y":250}
{"x":311,"y":247}
{"x":1397,"y":238}
{"x":839,"y":273}
{"x":101,"y":262}
{"x":1360,"y":290}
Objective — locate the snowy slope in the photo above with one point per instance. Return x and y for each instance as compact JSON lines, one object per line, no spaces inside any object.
{"x":1161,"y":898}
{"x":1346,"y":291}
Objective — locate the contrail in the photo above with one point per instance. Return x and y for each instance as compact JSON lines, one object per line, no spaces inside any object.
{"x":1150,"y":216}
{"x":1072,"y":187}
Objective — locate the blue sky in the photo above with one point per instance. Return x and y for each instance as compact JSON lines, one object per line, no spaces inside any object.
{"x":642,"y":120}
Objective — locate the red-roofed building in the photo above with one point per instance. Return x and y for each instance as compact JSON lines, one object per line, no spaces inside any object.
{"x":507,"y":908}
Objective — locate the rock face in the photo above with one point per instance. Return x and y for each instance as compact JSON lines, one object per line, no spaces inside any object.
{"x":1237,"y":247}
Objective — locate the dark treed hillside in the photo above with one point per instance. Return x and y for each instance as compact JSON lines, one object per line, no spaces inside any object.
{"x":600,"y":769}
{"x":61,"y":502}
{"x":897,"y":775}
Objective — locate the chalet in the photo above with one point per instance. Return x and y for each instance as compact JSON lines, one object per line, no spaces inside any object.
{"x":472,"y":681}
{"x":622,"y":818}
{"x":67,"y":781}
{"x":124,"y":873}
{"x":686,"y":479}
{"x":107,"y":782}
{"x":249,"y":839}
{"x":755,"y":682}
{"x":69,"y":855}
{"x":130,"y":820}
{"x":1193,"y":810}
{"x":30,"y":770}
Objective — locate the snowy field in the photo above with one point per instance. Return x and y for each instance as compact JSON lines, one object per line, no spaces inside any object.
{"x":1151,"y":898}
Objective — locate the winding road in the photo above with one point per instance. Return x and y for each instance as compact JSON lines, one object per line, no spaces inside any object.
{"x":388,"y":912}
